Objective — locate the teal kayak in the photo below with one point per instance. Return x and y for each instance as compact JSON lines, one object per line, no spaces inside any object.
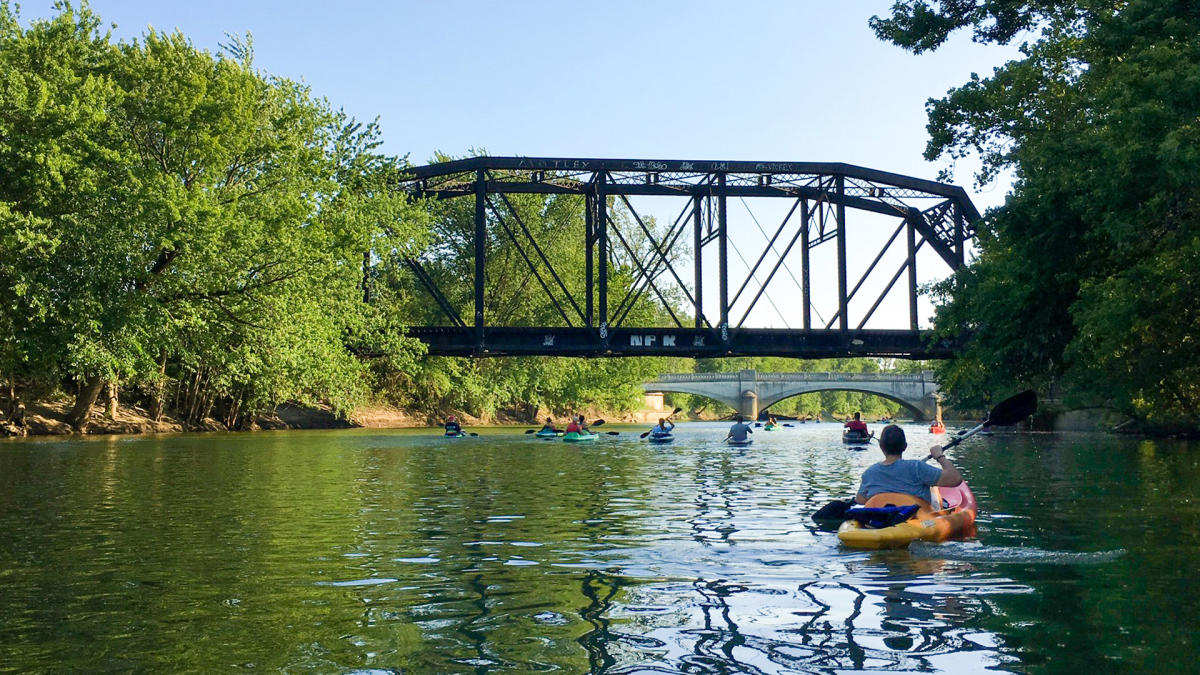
{"x":575,"y":437}
{"x":458,"y":435}
{"x":548,"y":434}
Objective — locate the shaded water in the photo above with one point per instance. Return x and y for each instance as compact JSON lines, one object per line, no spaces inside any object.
{"x":359,"y":551}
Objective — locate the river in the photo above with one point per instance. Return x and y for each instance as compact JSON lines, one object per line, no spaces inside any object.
{"x":364,"y":551}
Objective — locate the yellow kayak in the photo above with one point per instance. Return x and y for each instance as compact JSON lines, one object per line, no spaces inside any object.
{"x":955,"y":518}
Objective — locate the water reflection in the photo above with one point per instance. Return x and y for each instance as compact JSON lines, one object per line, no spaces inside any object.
{"x":392,"y":552}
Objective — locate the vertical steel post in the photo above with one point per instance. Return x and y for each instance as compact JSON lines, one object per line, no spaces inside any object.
{"x":960,"y":248}
{"x":601,"y":228}
{"x":698,"y":260}
{"x":366,"y":276}
{"x":480,"y":241}
{"x":589,"y":221}
{"x":805,"y":273}
{"x":912,"y":274}
{"x":723,"y":255}
{"x":843,"y":319}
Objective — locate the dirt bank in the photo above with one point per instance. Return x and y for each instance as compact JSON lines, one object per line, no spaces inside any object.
{"x":50,"y":418}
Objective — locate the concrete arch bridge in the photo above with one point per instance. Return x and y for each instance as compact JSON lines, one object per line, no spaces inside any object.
{"x":749,"y":391}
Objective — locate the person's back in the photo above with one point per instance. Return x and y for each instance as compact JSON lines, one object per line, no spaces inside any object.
{"x":549,"y":425}
{"x":739,"y":431}
{"x":904,"y":476}
{"x":857,"y":424}
{"x":573,"y":427}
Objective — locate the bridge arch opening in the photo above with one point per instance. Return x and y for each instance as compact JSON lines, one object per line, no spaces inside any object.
{"x":905,"y":408}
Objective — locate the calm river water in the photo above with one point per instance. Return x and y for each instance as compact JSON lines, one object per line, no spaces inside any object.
{"x":379,"y":551}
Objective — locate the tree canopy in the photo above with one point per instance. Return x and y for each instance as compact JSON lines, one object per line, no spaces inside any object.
{"x":1084,"y":282}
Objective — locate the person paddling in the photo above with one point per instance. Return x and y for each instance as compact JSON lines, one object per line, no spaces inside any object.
{"x":907,"y":476}
{"x":577,"y":425}
{"x":857,"y":425}
{"x":663,"y":427}
{"x":549,"y":426}
{"x":453,"y":428}
{"x":738,"y":433}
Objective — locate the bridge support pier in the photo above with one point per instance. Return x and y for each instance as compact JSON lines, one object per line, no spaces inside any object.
{"x":749,"y":406}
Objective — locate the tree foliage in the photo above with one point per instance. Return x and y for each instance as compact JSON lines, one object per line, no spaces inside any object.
{"x":180,"y":222}
{"x":1084,"y":280}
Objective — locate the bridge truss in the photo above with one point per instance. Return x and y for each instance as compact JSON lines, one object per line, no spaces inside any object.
{"x":818,"y":195}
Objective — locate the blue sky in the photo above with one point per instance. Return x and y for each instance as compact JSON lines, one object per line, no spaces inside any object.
{"x":778,"y":81}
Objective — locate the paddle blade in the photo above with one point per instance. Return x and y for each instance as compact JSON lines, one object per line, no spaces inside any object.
{"x":530,"y":431}
{"x":644,"y":435}
{"x":676,"y":411}
{"x":835,"y":510}
{"x":613,"y":433}
{"x":472,"y":433}
{"x":597,"y":423}
{"x":1013,"y":410}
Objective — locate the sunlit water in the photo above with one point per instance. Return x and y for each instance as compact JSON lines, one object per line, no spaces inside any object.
{"x":369,"y":551}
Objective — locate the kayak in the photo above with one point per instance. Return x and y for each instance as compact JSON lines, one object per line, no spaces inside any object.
{"x":937,"y":428}
{"x":769,"y":427}
{"x":548,"y":434}
{"x":748,"y":441}
{"x":456,"y":435}
{"x":576,"y":437}
{"x":954,"y":518}
{"x":661,"y":438}
{"x":855,"y":437}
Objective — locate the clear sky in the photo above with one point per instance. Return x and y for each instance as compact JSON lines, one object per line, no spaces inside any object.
{"x":777,"y":81}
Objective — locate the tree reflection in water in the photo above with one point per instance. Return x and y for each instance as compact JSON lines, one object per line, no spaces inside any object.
{"x":820,"y":627}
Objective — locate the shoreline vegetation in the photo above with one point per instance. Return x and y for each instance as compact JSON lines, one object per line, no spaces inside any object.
{"x":188,"y":235}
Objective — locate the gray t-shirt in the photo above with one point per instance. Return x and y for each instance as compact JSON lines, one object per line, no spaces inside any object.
{"x":738,"y":431}
{"x":907,"y":476}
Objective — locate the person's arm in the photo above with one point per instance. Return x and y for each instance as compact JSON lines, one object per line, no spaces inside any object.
{"x":860,"y":498}
{"x":950,"y":475}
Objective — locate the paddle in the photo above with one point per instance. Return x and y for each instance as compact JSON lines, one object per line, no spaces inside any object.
{"x":673,"y":413}
{"x":598,"y":423}
{"x":1009,"y":411}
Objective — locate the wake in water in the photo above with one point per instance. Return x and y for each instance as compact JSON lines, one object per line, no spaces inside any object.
{"x":976,"y":552}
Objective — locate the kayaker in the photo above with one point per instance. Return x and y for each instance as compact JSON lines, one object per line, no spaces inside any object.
{"x":857,"y":425}
{"x":772,"y":422}
{"x":664,"y":427}
{"x":738,"y":432}
{"x":452,"y":426}
{"x":577,"y":425}
{"x":549,"y":425}
{"x":907,"y":476}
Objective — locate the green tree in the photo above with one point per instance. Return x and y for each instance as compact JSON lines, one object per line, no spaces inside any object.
{"x":1084,"y":278}
{"x":187,"y":220}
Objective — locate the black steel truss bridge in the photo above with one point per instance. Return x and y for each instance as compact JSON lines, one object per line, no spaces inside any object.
{"x":818,"y":197}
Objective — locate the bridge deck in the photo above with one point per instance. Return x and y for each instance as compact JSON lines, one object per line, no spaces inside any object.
{"x":686,"y":342}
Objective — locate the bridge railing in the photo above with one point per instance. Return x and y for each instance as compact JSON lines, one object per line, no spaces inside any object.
{"x":925,"y":376}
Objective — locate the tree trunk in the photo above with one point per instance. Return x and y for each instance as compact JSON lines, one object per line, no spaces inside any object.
{"x":160,"y":389}
{"x":84,"y":400}
{"x":111,"y":401}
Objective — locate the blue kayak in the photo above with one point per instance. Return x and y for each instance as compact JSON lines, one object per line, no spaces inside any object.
{"x":548,"y":434}
{"x":661,"y":438}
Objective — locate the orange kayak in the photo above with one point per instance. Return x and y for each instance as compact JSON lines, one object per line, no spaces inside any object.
{"x":955,"y":517}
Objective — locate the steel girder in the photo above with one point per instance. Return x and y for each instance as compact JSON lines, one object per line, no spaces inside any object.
{"x":932,"y":213}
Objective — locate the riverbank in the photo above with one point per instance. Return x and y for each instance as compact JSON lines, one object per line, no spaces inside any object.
{"x":49,"y":418}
